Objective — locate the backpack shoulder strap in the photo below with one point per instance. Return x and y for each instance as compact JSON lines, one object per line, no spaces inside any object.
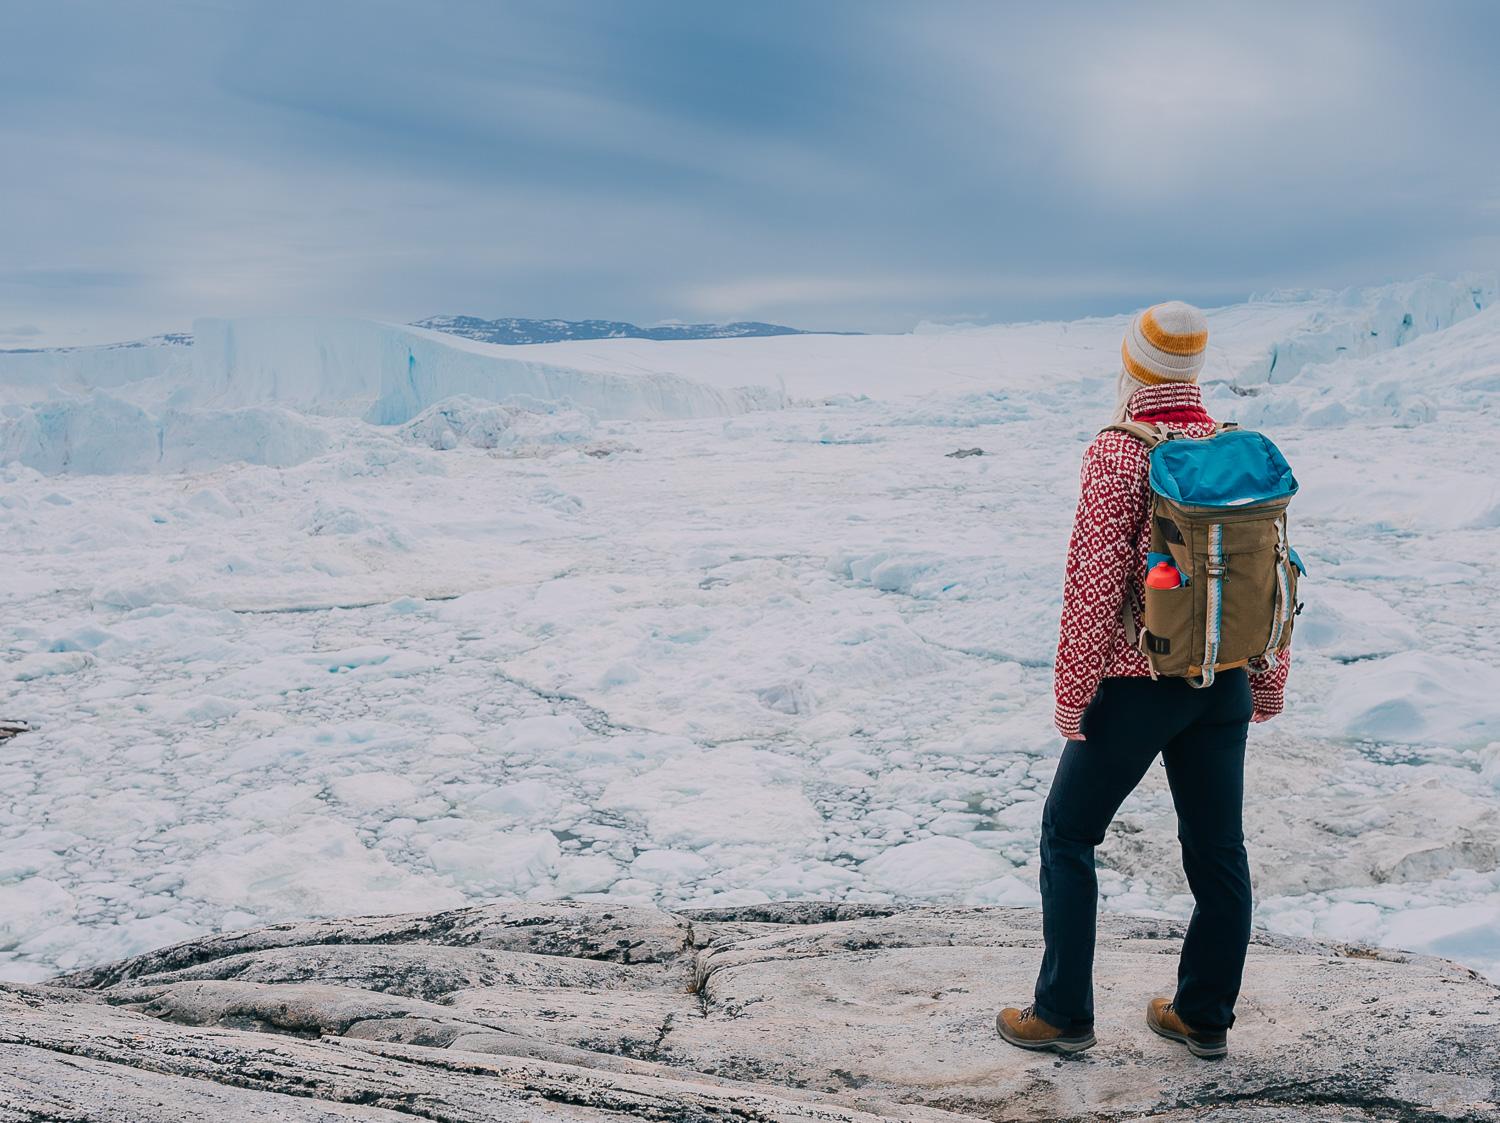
{"x":1148,"y":435}
{"x":1225,"y":427}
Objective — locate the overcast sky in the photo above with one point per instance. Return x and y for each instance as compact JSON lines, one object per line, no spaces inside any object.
{"x":852,"y":165}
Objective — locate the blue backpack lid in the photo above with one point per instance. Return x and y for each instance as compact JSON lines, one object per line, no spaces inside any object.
{"x":1236,"y":468}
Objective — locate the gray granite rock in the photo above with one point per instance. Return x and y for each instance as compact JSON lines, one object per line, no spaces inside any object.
{"x":561,"y":1011}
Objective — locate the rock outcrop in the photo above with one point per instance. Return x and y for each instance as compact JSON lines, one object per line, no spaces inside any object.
{"x":802,"y":1012}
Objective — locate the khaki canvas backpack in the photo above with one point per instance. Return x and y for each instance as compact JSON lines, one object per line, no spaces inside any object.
{"x":1218,"y":516}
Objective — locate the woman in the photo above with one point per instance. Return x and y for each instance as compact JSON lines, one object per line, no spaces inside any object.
{"x":1117,"y":718}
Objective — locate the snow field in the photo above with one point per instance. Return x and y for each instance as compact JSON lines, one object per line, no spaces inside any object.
{"x":526,"y":649}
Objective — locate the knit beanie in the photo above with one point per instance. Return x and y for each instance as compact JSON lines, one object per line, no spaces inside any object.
{"x":1164,"y":344}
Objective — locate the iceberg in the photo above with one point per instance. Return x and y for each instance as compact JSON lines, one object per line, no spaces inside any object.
{"x":1360,"y":322}
{"x":104,"y":435}
{"x":387,"y":374}
{"x":30,"y":376}
{"x":253,"y":390}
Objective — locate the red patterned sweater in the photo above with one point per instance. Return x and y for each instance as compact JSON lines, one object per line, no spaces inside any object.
{"x":1107,"y":556}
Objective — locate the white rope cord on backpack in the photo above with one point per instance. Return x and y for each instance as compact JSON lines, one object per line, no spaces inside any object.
{"x":1215,"y":606}
{"x":1283,"y":595}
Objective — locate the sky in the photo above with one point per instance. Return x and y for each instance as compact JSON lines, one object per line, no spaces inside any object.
{"x":835,"y":164}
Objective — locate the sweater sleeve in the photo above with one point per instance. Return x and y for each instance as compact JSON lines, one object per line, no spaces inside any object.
{"x":1267,"y":687}
{"x":1102,"y":552}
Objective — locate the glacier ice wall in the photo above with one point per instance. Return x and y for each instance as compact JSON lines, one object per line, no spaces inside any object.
{"x":100,"y":434}
{"x":149,"y":364}
{"x":1450,"y":372}
{"x":387,"y":374}
{"x":1322,"y":358}
{"x":1359,"y":322}
{"x":252,"y":390}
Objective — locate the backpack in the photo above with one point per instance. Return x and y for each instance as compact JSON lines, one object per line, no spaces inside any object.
{"x":1218,"y":515}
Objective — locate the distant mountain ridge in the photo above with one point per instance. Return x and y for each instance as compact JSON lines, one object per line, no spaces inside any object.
{"x":508,"y":331}
{"x":511,"y":330}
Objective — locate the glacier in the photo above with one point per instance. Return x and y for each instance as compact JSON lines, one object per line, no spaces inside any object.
{"x":101,"y":434}
{"x":257,"y":391}
{"x":387,"y":374}
{"x":1361,"y":322}
{"x":31,"y":375}
{"x":275,"y":381}
{"x":331,"y":616}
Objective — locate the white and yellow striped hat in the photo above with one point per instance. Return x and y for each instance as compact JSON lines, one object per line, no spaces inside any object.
{"x":1165,"y":343}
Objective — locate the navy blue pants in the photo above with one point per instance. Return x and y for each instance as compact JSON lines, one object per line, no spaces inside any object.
{"x":1200,"y":735}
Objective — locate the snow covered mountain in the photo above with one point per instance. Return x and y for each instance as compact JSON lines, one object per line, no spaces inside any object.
{"x":329,"y":617}
{"x":510,"y":330}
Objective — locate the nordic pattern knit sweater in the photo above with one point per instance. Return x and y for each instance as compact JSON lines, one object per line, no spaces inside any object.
{"x":1107,"y":559}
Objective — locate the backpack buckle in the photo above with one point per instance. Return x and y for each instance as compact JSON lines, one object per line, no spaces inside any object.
{"x":1216,"y":569}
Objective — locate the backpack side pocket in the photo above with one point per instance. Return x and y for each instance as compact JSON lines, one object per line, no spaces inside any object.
{"x":1168,"y":641}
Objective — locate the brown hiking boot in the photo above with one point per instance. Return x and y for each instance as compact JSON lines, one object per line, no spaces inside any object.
{"x":1024,"y":1029}
{"x":1210,"y":1044}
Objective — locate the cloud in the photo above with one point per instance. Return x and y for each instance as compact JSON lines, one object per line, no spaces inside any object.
{"x":752,"y":294}
{"x":844,"y":165}
{"x":68,"y":279}
{"x":759,"y":295}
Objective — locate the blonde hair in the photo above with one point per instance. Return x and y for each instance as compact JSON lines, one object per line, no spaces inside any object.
{"x":1125,"y":388}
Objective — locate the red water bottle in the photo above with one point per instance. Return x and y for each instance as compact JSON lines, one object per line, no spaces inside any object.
{"x":1163,"y":575}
